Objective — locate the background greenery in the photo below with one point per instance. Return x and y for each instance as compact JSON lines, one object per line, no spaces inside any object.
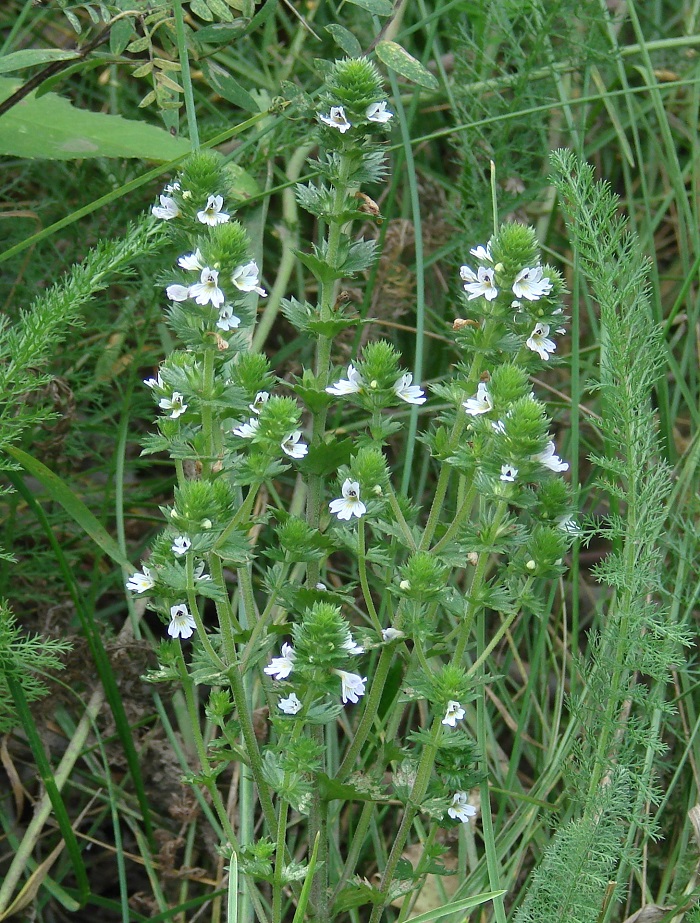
{"x":511,"y":81}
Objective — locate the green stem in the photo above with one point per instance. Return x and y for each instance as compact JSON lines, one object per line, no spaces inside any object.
{"x":194,"y":609}
{"x":362,"y":568}
{"x":185,"y":75}
{"x":401,"y":519}
{"x":420,"y":787}
{"x":460,"y":516}
{"x":207,"y":417}
{"x":200,"y":746}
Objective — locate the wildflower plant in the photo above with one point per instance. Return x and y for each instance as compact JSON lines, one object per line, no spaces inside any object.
{"x":369,"y":682}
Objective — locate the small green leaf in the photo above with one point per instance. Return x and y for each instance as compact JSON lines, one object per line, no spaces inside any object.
{"x":347,"y":41}
{"x":221,"y":33}
{"x":399,"y":60}
{"x":224,"y":84}
{"x":456,"y":907}
{"x":139,"y":44}
{"x":120,"y":35}
{"x":33,"y":56}
{"x":378,"y":7}
{"x":200,"y":8}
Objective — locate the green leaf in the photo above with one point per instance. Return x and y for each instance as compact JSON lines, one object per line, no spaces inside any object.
{"x":120,"y":35}
{"x":378,"y":7}
{"x":320,"y":268}
{"x":59,"y":491}
{"x":221,"y":33}
{"x":223,"y":83}
{"x":345,"y":39}
{"x":456,"y":907}
{"x":33,"y":56}
{"x":52,"y":128}
{"x":399,"y":60}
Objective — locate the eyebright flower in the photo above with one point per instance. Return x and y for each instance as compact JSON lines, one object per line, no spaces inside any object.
{"x":350,"y":385}
{"x":481,"y":253}
{"x":261,"y":398}
{"x":550,"y":460}
{"x":508,"y":473}
{"x":281,"y":667}
{"x":292,"y":447}
{"x":499,"y":427}
{"x":531,"y":284}
{"x":349,"y":504}
{"x":482,"y":284}
{"x":207,"y":289}
{"x":191,"y":261}
{"x":391,"y":634}
{"x":247,"y":430}
{"x":174,"y":404}
{"x":378,"y":112}
{"x":246,"y":278}
{"x":352,"y":686}
{"x":211,"y":214}
{"x":167,"y":209}
{"x":481,"y":403}
{"x":460,"y":809}
{"x":140,"y":582}
{"x":336,"y":119}
{"x":154,"y":382}
{"x":227,"y":319}
{"x":291,"y":705}
{"x":352,"y":647}
{"x":539,"y":343}
{"x":182,"y":624}
{"x":454,"y":713}
{"x":181,"y":545}
{"x":178,"y":292}
{"x":412,"y":394}
{"x":569,"y":525}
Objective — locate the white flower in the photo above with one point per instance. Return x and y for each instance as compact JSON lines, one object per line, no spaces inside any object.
{"x":508,"y":473}
{"x":350,"y":385}
{"x":499,"y":427}
{"x":174,"y":404}
{"x":167,"y":209}
{"x":352,"y":686}
{"x":569,"y":525}
{"x":391,"y":634}
{"x":207,"y":289}
{"x":349,"y":504}
{"x":336,"y":119}
{"x":227,"y":319}
{"x":378,"y":112}
{"x":261,"y":398}
{"x":191,"y":261}
{"x":530,"y":284}
{"x":154,"y":382}
{"x":211,"y":213}
{"x":246,"y":278}
{"x":467,"y":274}
{"x":482,"y":253}
{"x":290,"y":705}
{"x":460,"y":809}
{"x":292,"y":447}
{"x":199,"y":572}
{"x":484,"y":284}
{"x":480,"y":403}
{"x":171,"y":187}
{"x":352,"y":647}
{"x":412,"y":394}
{"x":140,"y":582}
{"x":178,"y":292}
{"x":247,"y":430}
{"x":539,"y":343}
{"x":454,"y":713}
{"x":281,"y":667}
{"x":550,"y":460}
{"x":182,"y":624}
{"x":181,"y":545}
